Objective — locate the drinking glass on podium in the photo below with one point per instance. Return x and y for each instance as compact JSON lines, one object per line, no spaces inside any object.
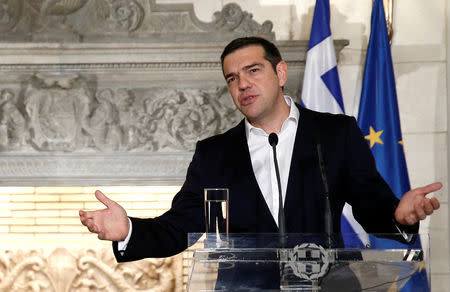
{"x":216,"y":217}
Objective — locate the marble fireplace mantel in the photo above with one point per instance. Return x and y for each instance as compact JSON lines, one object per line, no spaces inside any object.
{"x":116,"y":92}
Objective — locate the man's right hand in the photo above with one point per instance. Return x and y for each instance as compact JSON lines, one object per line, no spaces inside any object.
{"x":110,"y":223}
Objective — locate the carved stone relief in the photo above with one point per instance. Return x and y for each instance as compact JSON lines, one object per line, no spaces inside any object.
{"x":12,"y":122}
{"x":62,"y":113}
{"x":72,"y":270}
{"x":104,"y":20}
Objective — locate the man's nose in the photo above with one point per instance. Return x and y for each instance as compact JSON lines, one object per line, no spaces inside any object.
{"x":244,"y":83}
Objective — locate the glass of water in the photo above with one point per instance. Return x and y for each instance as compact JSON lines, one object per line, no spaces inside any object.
{"x":216,"y":214}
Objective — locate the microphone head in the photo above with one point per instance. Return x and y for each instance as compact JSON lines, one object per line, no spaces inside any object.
{"x":273,"y":139}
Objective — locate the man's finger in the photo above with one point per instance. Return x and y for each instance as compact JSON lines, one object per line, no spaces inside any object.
{"x":101,"y":236}
{"x":435,"y":203}
{"x":83,"y":217}
{"x":428,"y":207}
{"x":418,"y":208}
{"x":103,"y":199}
{"x":87,"y":214}
{"x":411,"y":219}
{"x":430,"y":188}
{"x":91,"y":226}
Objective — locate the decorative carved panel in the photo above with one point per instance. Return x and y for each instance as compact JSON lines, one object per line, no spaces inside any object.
{"x":62,"y":113}
{"x":68,"y":269}
{"x":120,"y":20}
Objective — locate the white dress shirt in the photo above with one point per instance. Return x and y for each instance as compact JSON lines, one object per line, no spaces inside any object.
{"x":261,"y":155}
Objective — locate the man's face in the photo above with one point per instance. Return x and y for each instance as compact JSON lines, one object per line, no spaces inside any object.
{"x":254,"y":85}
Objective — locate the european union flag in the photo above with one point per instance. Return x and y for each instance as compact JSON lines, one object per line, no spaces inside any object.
{"x":379,"y":120}
{"x":322,"y":92}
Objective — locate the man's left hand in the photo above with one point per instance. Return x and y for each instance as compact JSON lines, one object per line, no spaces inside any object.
{"x":415,"y":206}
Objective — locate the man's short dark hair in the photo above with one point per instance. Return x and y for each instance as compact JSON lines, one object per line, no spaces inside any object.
{"x":271,"y":52}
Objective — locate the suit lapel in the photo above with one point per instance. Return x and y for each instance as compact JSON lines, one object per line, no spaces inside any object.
{"x":302,"y":159}
{"x":244,"y":175}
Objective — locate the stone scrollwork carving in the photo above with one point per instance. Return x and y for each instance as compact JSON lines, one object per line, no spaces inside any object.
{"x":185,"y":116}
{"x":24,"y":275}
{"x":10,"y":13}
{"x":85,"y":270}
{"x":118,"y":15}
{"x":56,"y":7}
{"x":99,"y":21}
{"x":232,"y":18}
{"x":62,"y":113}
{"x":127,"y":14}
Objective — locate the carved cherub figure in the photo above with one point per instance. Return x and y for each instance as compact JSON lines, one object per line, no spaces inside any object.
{"x":12,"y":122}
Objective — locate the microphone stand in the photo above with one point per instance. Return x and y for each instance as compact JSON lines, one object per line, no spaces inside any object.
{"x":328,"y":217}
{"x":273,"y":141}
{"x":328,"y":214}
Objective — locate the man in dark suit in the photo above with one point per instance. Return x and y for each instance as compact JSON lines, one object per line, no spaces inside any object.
{"x":240,"y":160}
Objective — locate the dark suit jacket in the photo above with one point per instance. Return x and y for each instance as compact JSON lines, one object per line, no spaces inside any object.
{"x":224,"y":161}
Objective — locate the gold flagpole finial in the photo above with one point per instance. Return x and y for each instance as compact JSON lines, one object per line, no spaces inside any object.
{"x":388,"y":8}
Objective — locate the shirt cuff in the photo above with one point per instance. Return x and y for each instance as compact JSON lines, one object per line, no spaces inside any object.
{"x":122,"y":245}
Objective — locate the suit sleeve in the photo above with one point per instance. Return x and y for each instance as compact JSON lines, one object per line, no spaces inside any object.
{"x":167,"y":234}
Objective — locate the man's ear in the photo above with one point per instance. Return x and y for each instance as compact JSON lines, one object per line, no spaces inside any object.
{"x":282,"y":73}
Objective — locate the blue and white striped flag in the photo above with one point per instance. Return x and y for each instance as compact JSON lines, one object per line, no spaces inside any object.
{"x":322,"y":92}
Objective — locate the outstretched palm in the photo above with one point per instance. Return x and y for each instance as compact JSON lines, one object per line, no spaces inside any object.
{"x":110,"y":223}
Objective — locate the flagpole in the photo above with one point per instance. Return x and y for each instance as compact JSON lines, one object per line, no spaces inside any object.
{"x":388,"y":12}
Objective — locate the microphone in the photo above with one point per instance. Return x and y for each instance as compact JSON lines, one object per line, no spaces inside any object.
{"x":273,"y":141}
{"x":328,"y":214}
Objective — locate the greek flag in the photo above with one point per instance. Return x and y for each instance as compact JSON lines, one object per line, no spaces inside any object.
{"x":322,"y":92}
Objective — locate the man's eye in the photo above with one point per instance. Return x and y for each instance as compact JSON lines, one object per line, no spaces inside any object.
{"x":231,"y":79}
{"x":253,"y":70}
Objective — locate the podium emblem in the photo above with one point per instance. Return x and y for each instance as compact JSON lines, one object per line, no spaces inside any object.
{"x":308,"y":261}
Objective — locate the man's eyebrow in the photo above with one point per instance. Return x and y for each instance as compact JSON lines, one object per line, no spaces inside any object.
{"x":229,"y":75}
{"x":252,"y":65}
{"x":244,"y":68}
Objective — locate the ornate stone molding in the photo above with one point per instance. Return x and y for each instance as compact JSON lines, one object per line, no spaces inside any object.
{"x":61,"y":112}
{"x":120,"y":20}
{"x":84,"y":269}
{"x":165,"y":66}
{"x":94,"y":169}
